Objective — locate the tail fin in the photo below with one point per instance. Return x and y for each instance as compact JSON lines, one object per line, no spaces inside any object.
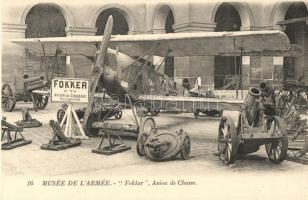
{"x":197,"y":84}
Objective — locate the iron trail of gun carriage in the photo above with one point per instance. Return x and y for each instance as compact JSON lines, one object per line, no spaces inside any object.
{"x":136,"y":76}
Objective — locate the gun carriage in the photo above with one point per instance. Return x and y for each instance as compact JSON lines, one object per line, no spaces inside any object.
{"x":293,"y":93}
{"x":257,"y":125}
{"x":12,"y":93}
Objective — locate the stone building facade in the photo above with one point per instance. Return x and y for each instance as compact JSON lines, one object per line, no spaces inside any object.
{"x":33,"y":18}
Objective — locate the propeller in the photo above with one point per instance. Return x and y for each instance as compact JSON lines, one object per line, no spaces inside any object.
{"x":98,"y":68}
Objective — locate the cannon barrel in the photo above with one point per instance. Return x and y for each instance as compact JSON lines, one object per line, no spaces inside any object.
{"x":251,"y":104}
{"x":33,"y":79}
{"x":186,"y":84}
{"x":266,"y":88}
{"x":33,"y":83}
{"x":12,"y":127}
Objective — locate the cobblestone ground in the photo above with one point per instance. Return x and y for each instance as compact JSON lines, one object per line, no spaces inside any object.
{"x":31,"y":160}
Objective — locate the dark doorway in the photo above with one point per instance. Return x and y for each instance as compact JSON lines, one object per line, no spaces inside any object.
{"x":226,"y":67}
{"x":120,"y":26}
{"x":293,"y":67}
{"x":169,"y":60}
{"x":45,"y":20}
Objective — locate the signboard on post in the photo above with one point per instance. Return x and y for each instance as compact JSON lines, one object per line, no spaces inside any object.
{"x":72,"y":90}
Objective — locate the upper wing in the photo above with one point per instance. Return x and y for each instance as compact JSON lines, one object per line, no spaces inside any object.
{"x":266,"y":43}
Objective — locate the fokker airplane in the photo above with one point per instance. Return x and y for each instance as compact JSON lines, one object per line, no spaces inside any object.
{"x":122,"y":63}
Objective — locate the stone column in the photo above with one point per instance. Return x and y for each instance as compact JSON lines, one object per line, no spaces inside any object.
{"x":192,"y":67}
{"x":13,"y":55}
{"x":157,"y":59}
{"x":80,"y":65}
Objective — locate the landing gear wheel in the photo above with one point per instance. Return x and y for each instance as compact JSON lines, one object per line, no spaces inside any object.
{"x":60,"y":115}
{"x":118,"y":114}
{"x":8,"y":98}
{"x":147,"y":126}
{"x":185,"y":148}
{"x":228,"y":140}
{"x":196,"y":113}
{"x":301,"y":100}
{"x":277,"y":148}
{"x":40,"y":101}
{"x":89,"y":130}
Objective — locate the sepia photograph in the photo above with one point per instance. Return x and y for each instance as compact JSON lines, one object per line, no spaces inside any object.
{"x":167,"y":99}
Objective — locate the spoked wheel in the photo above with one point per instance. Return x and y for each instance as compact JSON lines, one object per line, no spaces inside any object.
{"x":40,"y":101}
{"x":196,"y":113}
{"x":185,"y":149}
{"x":60,"y":115}
{"x":283,"y":102}
{"x":301,"y":103}
{"x":277,"y":148}
{"x":118,"y":114}
{"x":8,"y":98}
{"x":147,"y":126}
{"x":228,"y":140}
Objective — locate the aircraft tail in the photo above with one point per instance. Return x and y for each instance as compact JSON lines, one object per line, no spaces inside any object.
{"x":197,"y":85}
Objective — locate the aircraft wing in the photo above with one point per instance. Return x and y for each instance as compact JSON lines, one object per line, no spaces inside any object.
{"x":265,"y":43}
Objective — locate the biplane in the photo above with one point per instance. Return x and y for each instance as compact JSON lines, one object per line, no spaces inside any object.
{"x":122,"y":63}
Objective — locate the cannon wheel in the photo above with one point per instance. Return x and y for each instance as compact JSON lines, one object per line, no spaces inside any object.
{"x":185,"y":148}
{"x":301,"y":100}
{"x":118,"y":114}
{"x":228,"y":140}
{"x":277,"y":149}
{"x":40,"y":101}
{"x":146,"y":127}
{"x":8,"y":98}
{"x":283,"y":102}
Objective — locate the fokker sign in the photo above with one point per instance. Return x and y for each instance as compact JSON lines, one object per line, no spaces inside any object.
{"x":70,"y":90}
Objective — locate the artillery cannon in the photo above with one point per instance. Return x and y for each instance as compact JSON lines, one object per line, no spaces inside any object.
{"x":59,"y":141}
{"x":12,"y":93}
{"x":159,"y":145}
{"x":257,"y":125}
{"x":12,"y":142}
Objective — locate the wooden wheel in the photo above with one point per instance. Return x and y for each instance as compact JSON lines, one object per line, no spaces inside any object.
{"x":8,"y":98}
{"x":40,"y":101}
{"x":185,"y":148}
{"x":228,"y":140}
{"x":277,"y":148}
{"x":147,"y":126}
{"x":283,"y":102}
{"x":301,"y":103}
